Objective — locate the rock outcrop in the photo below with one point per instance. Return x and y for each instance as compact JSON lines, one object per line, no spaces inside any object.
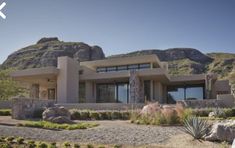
{"x":222,"y":131}
{"x":57,"y":115}
{"x":47,"y":50}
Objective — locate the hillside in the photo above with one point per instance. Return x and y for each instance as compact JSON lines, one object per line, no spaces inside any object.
{"x":181,"y":60}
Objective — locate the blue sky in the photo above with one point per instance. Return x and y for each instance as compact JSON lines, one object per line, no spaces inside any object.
{"x":121,"y":26}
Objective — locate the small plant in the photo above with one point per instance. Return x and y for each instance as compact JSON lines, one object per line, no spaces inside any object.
{"x":5,"y":145}
{"x":31,"y":144}
{"x":42,"y":145}
{"x":76,"y":146}
{"x":66,"y":144}
{"x":101,"y":147}
{"x":20,"y":140}
{"x":52,"y":145}
{"x":90,"y":146}
{"x":115,"y":115}
{"x":117,"y":146}
{"x":219,"y":113}
{"x":10,"y":139}
{"x":196,"y":127}
{"x":94,"y":115}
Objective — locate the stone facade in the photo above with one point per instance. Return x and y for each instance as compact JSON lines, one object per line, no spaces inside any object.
{"x":136,"y":88}
{"x":23,"y":108}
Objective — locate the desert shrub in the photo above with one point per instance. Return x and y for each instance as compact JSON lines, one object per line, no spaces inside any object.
{"x":94,"y":115}
{"x":115,"y":115}
{"x":42,"y":145}
{"x":219,"y":113}
{"x":5,"y":145}
{"x":196,"y":127}
{"x":203,"y":112}
{"x":229,"y":112}
{"x":118,"y":146}
{"x":10,"y":139}
{"x":104,"y":116}
{"x":76,"y":146}
{"x":186,"y":114}
{"x":125,"y":115}
{"x":84,"y":115}
{"x":5,"y":112}
{"x":20,"y":140}
{"x":171,"y":116}
{"x":101,"y":147}
{"x":90,"y":146}
{"x":66,"y":144}
{"x":31,"y":144}
{"x":75,"y":115}
{"x":52,"y":145}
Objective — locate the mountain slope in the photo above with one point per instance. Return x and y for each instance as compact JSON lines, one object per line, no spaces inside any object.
{"x":46,"y":51}
{"x":181,"y":60}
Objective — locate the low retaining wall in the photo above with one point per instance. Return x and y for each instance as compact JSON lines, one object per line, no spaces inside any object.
{"x":23,"y":108}
{"x":226,"y":102}
{"x":5,"y":104}
{"x":102,"y":106}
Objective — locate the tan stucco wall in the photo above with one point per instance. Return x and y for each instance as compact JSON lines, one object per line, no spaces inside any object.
{"x":158,"y":91}
{"x":67,"y":80}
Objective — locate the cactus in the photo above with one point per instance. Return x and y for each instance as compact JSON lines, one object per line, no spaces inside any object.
{"x":196,"y":127}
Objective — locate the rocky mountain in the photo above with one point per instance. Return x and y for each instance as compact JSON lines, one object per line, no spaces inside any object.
{"x":46,"y":50}
{"x":181,"y":60}
{"x":191,"y":61}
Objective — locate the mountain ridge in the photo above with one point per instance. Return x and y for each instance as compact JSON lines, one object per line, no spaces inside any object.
{"x":181,"y":60}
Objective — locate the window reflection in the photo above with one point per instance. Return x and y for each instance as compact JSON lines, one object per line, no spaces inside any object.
{"x":175,"y":93}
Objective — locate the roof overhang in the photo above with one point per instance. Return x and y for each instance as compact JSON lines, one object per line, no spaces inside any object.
{"x":122,"y":61}
{"x":43,"y":75}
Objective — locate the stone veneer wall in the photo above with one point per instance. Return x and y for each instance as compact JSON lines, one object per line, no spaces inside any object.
{"x":5,"y":104}
{"x":136,"y":88}
{"x":208,"y":103}
{"x":23,"y":108}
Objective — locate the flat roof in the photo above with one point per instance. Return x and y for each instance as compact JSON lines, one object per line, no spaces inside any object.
{"x":35,"y":72}
{"x":123,"y":61}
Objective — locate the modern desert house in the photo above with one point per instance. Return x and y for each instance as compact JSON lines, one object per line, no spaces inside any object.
{"x":134,"y":79}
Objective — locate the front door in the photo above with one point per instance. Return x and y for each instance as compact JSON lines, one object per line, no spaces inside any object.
{"x":51,"y":94}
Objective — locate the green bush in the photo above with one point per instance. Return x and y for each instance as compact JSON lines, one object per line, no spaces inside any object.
{"x":75,"y":115}
{"x":94,"y":115}
{"x":66,"y":144}
{"x":20,"y":140}
{"x":10,"y":139}
{"x":118,"y":146}
{"x":31,"y":144}
{"x":42,"y":145}
{"x":5,"y":112}
{"x":85,"y":115}
{"x":115,"y":115}
{"x":104,"y":116}
{"x":76,"y":146}
{"x":125,"y":115}
{"x":204,"y":112}
{"x":5,"y":145}
{"x":52,"y":145}
{"x":90,"y":146}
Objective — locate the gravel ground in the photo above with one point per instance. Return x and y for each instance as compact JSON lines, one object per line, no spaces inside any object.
{"x":109,"y":132}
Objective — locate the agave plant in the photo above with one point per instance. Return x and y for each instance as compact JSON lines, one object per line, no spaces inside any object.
{"x":196,"y":127}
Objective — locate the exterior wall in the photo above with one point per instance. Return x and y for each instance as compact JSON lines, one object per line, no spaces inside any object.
{"x":136,"y":88}
{"x":5,"y":104}
{"x":68,"y":80}
{"x":23,"y":108}
{"x":34,"y":91}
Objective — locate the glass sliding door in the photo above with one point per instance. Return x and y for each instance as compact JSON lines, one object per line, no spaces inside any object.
{"x":112,"y":93}
{"x":122,"y":93}
{"x":187,"y":92}
{"x":106,"y":93}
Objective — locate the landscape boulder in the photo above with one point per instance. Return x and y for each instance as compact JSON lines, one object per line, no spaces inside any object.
{"x":222,"y":131}
{"x":151,"y":108}
{"x":57,"y":115}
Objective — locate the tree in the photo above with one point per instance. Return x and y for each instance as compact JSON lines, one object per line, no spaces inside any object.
{"x":8,"y":87}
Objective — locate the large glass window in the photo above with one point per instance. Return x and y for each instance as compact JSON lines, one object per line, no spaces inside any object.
{"x":122,"y":93}
{"x":82,"y":93}
{"x":112,"y":93}
{"x":124,"y":67}
{"x":106,"y":93}
{"x":147,"y":90}
{"x":194,"y":92}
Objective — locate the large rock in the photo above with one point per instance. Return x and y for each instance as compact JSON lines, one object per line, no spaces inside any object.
{"x":151,"y":108}
{"x":222,"y":131}
{"x":46,"y":52}
{"x":57,"y":115}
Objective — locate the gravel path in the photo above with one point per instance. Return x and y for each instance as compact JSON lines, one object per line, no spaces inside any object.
{"x":109,"y":132}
